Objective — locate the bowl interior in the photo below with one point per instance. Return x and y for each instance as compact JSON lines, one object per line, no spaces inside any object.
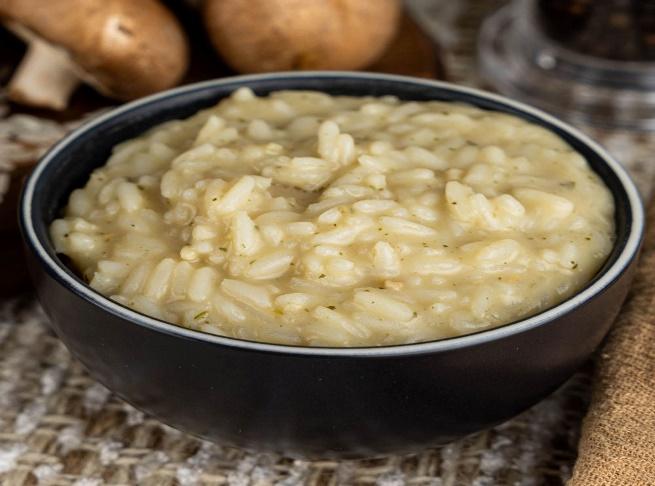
{"x":69,"y":164}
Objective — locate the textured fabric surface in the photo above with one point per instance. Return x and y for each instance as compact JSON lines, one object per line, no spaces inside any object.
{"x":618,"y":434}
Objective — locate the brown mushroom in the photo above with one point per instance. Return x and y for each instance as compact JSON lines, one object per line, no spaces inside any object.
{"x":123,"y":48}
{"x":270,"y":35}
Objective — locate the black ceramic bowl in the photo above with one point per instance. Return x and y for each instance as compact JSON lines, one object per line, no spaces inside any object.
{"x":317,"y":402}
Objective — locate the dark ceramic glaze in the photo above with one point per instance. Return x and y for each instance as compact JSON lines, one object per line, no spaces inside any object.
{"x":317,"y":402}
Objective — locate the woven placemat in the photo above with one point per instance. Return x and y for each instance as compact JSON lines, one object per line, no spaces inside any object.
{"x":59,"y":427}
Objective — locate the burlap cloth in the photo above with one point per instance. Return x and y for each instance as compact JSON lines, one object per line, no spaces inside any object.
{"x":618,"y":433}
{"x":59,"y":427}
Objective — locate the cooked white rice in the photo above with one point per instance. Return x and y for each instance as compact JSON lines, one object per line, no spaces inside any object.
{"x":303,"y":218}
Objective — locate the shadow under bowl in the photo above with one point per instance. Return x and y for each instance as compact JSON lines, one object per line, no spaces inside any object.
{"x":317,"y":402}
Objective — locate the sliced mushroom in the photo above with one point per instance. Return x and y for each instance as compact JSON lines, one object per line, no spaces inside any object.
{"x":123,"y":48}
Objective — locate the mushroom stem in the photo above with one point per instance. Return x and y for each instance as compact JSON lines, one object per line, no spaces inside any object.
{"x":44,"y":78}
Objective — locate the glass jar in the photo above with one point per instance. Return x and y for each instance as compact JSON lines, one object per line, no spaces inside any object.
{"x":589,"y":61}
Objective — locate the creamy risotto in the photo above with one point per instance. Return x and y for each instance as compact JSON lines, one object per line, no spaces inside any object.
{"x":303,"y":218}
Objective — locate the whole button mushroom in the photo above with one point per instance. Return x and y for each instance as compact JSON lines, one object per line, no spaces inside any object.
{"x":271,"y":35}
{"x":123,"y":48}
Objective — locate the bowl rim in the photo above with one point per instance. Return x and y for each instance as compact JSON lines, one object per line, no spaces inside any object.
{"x":58,"y":272}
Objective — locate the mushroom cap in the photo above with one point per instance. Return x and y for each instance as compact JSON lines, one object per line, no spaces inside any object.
{"x":124,"y":48}
{"x":269,"y":35}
